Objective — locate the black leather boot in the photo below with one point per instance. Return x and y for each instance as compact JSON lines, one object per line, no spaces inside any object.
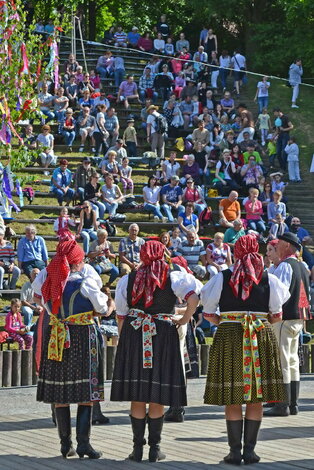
{"x":53,"y":414}
{"x":281,"y":409}
{"x":98,"y":417}
{"x":251,"y":429}
{"x":175,"y":414}
{"x":154,"y":437}
{"x":138,"y":428}
{"x":234,"y":430}
{"x":83,"y":427}
{"x":295,"y":390}
{"x":63,"y":420}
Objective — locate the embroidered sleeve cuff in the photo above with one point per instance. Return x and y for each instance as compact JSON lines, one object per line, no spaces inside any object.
{"x":36,"y":296}
{"x":189,"y":294}
{"x":120,"y":317}
{"x":209,"y":315}
{"x":277,"y":315}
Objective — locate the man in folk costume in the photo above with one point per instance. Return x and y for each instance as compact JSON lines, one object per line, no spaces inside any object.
{"x":148,"y":366}
{"x":296,"y":310}
{"x":244,"y":364}
{"x":71,"y":369}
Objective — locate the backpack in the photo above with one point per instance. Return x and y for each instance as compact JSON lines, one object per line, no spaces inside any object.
{"x":110,"y":227}
{"x":205,"y":217}
{"x":161,"y":124}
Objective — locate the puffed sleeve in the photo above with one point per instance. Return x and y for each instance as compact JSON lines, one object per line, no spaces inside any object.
{"x":122,"y":307}
{"x":184,"y":284}
{"x":90,"y":289}
{"x":210,"y":295}
{"x":38,"y":283}
{"x":278,"y":294}
{"x":89,"y":271}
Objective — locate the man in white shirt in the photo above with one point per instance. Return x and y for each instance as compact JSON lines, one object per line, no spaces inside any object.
{"x":238,"y":63}
{"x":156,"y":139}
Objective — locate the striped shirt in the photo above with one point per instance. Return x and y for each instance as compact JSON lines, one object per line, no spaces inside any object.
{"x":7,"y":253}
{"x":191,"y":253}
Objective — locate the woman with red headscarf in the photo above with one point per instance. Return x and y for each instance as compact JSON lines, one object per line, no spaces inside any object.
{"x":71,"y":369}
{"x":244,"y":365}
{"x":148,"y":367}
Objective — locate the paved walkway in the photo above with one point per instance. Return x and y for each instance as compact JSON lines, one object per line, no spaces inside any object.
{"x":28,"y":441}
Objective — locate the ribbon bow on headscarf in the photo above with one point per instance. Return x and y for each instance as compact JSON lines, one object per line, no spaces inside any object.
{"x":68,"y":252}
{"x":153,"y":273}
{"x":249,"y":266}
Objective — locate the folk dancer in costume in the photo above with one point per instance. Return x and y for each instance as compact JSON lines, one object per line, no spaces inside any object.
{"x":296,"y":310}
{"x":148,"y":367}
{"x":244,"y":365}
{"x":71,"y":369}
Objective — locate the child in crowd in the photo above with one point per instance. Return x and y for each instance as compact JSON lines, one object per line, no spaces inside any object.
{"x":130,"y":138}
{"x":175,"y":240}
{"x":276,"y":183}
{"x":62,"y":224}
{"x":292,"y":150}
{"x":263,"y":121}
{"x":125,"y":176}
{"x":224,"y":124}
{"x":95,"y":80}
{"x":169,"y":49}
{"x":79,"y":76}
{"x":278,"y":228}
{"x":271,"y":149}
{"x":196,"y":109}
{"x":179,"y":83}
{"x":15,"y":327}
{"x":237,"y":126}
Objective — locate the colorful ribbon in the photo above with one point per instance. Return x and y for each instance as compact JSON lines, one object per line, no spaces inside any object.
{"x":60,"y":334}
{"x":146,"y":321}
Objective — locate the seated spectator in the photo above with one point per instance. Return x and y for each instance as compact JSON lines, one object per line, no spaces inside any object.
{"x":202,"y":135}
{"x":169,"y":48}
{"x":216,"y":138}
{"x":128,"y":91}
{"x":266,"y":196}
{"x":232,"y":234}
{"x":151,"y":196}
{"x":87,"y":228}
{"x":109,"y":36}
{"x":247,"y":122}
{"x":175,"y":240}
{"x":29,"y":307}
{"x":276,"y":207}
{"x":110,"y":166}
{"x":170,"y":167}
{"x":227,"y":104}
{"x":101,"y":255}
{"x":278,"y":227}
{"x":86,"y":84}
{"x":218,"y":255}
{"x":86,"y":125}
{"x":200,"y":55}
{"x":225,"y":175}
{"x":82,"y":176}
{"x":120,"y":152}
{"x":71,"y":91}
{"x":94,"y":79}
{"x":7,"y":266}
{"x":237,"y":156}
{"x":120,"y":38}
{"x":145,"y":43}
{"x":187,"y":220}
{"x":86,"y":100}
{"x":164,"y":238}
{"x":111,"y":195}
{"x":100,"y":133}
{"x":182,"y":43}
{"x":194,"y":194}
{"x":146,"y":86}
{"x":251,"y":173}
{"x":125,"y":171}
{"x":189,"y":90}
{"x":45,"y":102}
{"x":61,"y":181}
{"x":15,"y":327}
{"x":194,"y":252}
{"x":179,"y":84}
{"x":159,"y":44}
{"x":276,"y":183}
{"x":29,"y":138}
{"x":105,"y":65}
{"x":45,"y":140}
{"x":208,"y":101}
{"x":171,"y":196}
{"x":112,"y":126}
{"x":119,"y":71}
{"x":61,"y":103}
{"x":229,"y":210}
{"x":190,"y":170}
{"x":93,"y":194}
{"x":250,"y":150}
{"x":68,"y":128}
{"x":108,"y":324}
{"x":129,"y":251}
{"x":186,"y":108}
{"x":163,"y":82}
{"x":254,"y":212}
{"x":133,"y":37}
{"x":63,"y":223}
{"x":31,"y":251}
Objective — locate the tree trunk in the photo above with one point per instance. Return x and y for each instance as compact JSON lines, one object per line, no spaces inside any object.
{"x":92,"y":20}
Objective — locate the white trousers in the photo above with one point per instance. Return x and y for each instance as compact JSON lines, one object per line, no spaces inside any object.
{"x":295,"y":92}
{"x":287,"y":333}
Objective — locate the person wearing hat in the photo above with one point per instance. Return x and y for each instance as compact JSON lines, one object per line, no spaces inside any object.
{"x":295,"y":276}
{"x":130,"y":138}
{"x":133,"y":37}
{"x":244,"y":364}
{"x":82,"y":176}
{"x":61,"y":181}
{"x":156,"y":140}
{"x":71,"y":369}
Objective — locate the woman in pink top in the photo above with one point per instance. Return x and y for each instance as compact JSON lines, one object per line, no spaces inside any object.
{"x":15,"y":327}
{"x":254,"y":212}
{"x":176,"y":65}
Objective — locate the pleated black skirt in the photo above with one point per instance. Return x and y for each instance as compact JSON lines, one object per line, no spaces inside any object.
{"x":79,"y":377}
{"x":164,"y":383}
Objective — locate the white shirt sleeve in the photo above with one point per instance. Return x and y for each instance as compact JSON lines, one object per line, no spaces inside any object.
{"x":39,"y":281}
{"x":90,"y":289}
{"x":89,"y":271}
{"x":121,"y":302}
{"x":278,"y":295}
{"x":284,"y":273}
{"x":182,"y":283}
{"x":210,"y":294}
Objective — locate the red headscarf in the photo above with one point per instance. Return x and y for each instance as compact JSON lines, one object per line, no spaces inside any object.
{"x":58,"y":270}
{"x":180,"y":261}
{"x":273,"y":243}
{"x":249,"y":266}
{"x":152,"y":274}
